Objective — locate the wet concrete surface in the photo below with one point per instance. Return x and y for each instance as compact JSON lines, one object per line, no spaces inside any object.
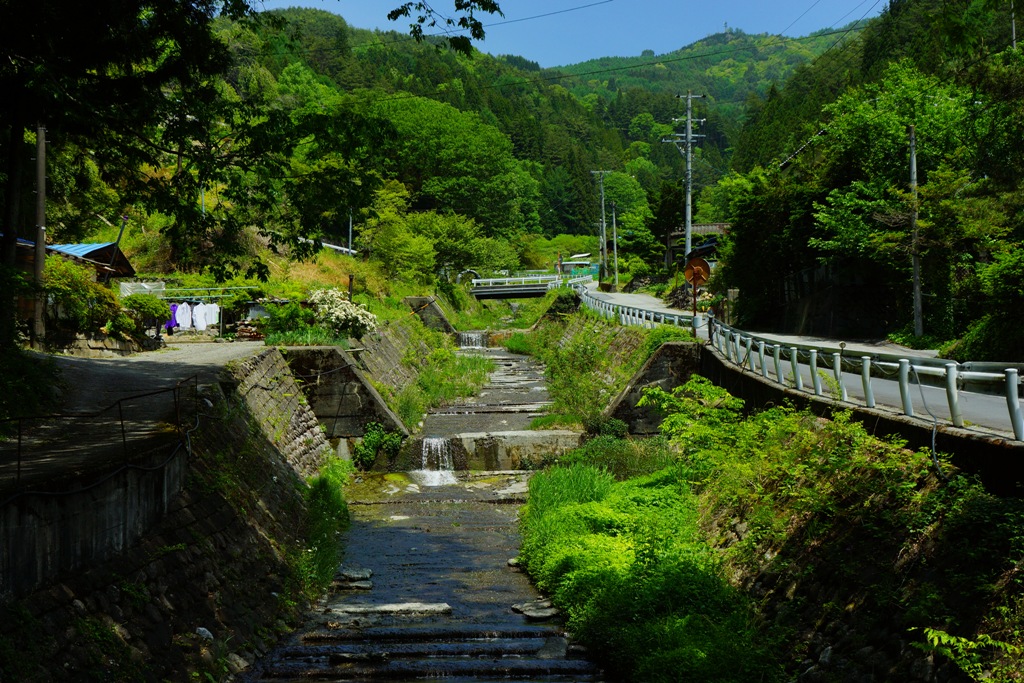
{"x":440,"y":595}
{"x":515,"y":394}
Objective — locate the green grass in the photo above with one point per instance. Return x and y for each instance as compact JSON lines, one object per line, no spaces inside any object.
{"x":625,"y":563}
{"x":306,"y":336}
{"x":327,"y":515}
{"x":443,"y":377}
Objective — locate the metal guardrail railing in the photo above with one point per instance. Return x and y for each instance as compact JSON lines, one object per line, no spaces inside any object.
{"x":768,"y":357}
{"x":39,"y":447}
{"x":552,"y":281}
{"x":631,"y":315}
{"x":510,"y":281}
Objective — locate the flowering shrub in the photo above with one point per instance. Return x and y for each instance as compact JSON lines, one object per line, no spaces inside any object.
{"x":337,"y":313}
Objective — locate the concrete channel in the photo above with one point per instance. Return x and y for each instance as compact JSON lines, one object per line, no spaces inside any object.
{"x":426,"y":588}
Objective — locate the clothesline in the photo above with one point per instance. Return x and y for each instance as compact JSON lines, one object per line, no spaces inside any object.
{"x":187,"y":316}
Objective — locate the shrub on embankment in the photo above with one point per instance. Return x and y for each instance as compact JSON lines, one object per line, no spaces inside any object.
{"x":825,"y":554}
{"x":588,"y":360}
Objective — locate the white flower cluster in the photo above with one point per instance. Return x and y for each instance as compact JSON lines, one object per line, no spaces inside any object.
{"x":339,"y":314}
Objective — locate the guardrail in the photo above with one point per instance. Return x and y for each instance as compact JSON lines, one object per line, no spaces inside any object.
{"x":508,"y":281}
{"x":631,"y":315}
{"x":769,"y":357}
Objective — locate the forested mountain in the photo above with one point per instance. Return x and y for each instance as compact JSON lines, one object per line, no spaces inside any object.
{"x":281,"y":125}
{"x":826,"y":225}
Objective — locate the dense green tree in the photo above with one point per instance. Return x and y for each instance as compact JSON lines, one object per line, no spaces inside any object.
{"x":452,"y":161}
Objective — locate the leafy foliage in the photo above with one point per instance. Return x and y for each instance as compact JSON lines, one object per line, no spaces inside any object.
{"x":326,"y":516}
{"x":626,"y":565}
{"x":77,"y":302}
{"x":377,"y":441}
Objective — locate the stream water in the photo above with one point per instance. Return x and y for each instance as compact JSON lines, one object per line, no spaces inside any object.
{"x":437,"y":464}
{"x":426,"y":589}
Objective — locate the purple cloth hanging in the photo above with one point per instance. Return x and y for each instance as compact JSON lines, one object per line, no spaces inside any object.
{"x":171,"y":324}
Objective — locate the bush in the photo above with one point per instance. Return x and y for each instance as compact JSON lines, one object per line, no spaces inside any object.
{"x":147,"y":309}
{"x":335,"y":312}
{"x":77,"y":302}
{"x":376,"y":441}
{"x":288,"y":317}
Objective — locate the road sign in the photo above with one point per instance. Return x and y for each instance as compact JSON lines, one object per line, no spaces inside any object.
{"x":697,"y":271}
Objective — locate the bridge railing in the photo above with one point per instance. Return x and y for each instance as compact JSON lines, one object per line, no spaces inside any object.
{"x":770,"y":357}
{"x":631,"y":315}
{"x":522,"y":280}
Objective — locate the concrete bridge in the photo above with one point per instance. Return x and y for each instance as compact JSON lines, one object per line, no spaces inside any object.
{"x":527,"y":287}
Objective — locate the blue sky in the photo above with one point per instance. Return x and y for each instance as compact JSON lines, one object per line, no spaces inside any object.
{"x":557,"y":32}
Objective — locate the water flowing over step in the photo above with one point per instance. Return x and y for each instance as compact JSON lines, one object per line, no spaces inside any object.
{"x":428,"y":593}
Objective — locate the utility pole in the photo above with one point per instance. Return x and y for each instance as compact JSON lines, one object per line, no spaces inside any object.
{"x":38,"y":325}
{"x":615,"y":246}
{"x":687,"y":141}
{"x":689,"y":170}
{"x":914,"y":247}
{"x":604,"y":243}
{"x":350,"y":232}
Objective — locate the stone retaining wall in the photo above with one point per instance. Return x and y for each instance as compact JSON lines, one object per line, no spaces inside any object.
{"x":341,"y":397}
{"x":213,"y":583}
{"x":266,"y":384}
{"x":669,"y":367}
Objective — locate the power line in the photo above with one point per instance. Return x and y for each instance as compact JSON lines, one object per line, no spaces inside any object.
{"x":405,"y":38}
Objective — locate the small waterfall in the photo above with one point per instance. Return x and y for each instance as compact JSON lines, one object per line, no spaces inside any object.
{"x":471,"y":340}
{"x":437,"y":466}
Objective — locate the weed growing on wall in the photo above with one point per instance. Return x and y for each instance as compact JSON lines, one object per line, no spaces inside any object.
{"x":326,"y":517}
{"x":377,"y":441}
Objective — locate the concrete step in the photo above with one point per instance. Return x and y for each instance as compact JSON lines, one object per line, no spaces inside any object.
{"x":479,"y":668}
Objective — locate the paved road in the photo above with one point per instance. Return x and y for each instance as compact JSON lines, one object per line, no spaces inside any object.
{"x":109,"y":426}
{"x":982,"y":412}
{"x":95,"y":383}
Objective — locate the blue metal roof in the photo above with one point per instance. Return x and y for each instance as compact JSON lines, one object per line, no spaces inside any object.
{"x":79,"y":250}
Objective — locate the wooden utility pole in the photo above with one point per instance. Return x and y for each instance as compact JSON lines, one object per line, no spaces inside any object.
{"x":38,"y":324}
{"x":914,"y":246}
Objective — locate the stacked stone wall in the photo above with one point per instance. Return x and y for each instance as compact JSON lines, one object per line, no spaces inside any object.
{"x":275,"y":401}
{"x":210,"y":587}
